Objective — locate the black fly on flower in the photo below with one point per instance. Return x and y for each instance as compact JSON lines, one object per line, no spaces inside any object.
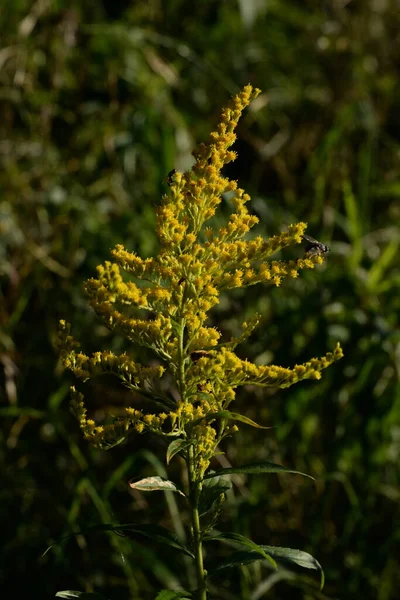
{"x":314,"y":247}
{"x":169,"y":180}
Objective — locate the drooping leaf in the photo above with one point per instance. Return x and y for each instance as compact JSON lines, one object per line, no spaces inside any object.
{"x":237,"y":559}
{"x":154,"y":532}
{"x":69,"y":594}
{"x":297,"y":557}
{"x":286,"y":555}
{"x":255,"y":468}
{"x":212,"y":489}
{"x":153,"y":484}
{"x":176,"y":447}
{"x":230,"y":416}
{"x":243,"y":541}
{"x":173,"y":595}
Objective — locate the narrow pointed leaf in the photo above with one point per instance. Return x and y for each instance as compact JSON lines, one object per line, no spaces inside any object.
{"x":255,"y":468}
{"x":71,"y":594}
{"x":230,"y":416}
{"x":297,"y":557}
{"x":154,"y":532}
{"x":237,"y":559}
{"x":173,"y":595}
{"x":153,"y":484}
{"x":176,"y":447}
{"x":243,"y":541}
{"x":287,"y":555}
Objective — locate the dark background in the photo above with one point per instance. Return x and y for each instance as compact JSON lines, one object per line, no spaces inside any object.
{"x":99,"y":100}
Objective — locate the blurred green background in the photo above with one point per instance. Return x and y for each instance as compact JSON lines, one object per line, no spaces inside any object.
{"x":98,"y":102}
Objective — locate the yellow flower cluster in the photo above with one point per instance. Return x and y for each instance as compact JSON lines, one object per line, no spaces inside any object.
{"x":247,"y":329}
{"x":103,"y":436}
{"x":107,"y":436}
{"x":164,"y":302}
{"x":187,"y":413}
{"x":224,"y":371}
{"x":131,"y":374}
{"x":206,"y":440}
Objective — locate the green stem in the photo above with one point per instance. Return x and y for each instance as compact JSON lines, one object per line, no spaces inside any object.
{"x":194,"y":485}
{"x":181,"y":359}
{"x":195,"y":489}
{"x":181,"y":346}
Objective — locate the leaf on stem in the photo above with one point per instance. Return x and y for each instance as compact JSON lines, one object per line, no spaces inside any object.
{"x":153,"y":484}
{"x":243,"y":541}
{"x":69,"y":594}
{"x":154,"y":532}
{"x":237,"y":559}
{"x":176,"y":447}
{"x":173,"y":595}
{"x":255,"y":468}
{"x":230,"y":416}
{"x":286,"y":555}
{"x":297,"y":557}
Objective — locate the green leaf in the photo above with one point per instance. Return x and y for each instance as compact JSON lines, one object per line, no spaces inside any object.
{"x":173,"y":595}
{"x":154,"y":532}
{"x":237,"y":559}
{"x":288,"y":555}
{"x":211,"y":491}
{"x":153,"y":484}
{"x":176,"y":447}
{"x":230,"y":416}
{"x":69,"y":594}
{"x":243,"y":541}
{"x":255,"y":468}
{"x":297,"y":557}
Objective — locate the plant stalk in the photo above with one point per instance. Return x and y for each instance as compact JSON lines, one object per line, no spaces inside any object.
{"x":195,"y":488}
{"x":194,"y":485}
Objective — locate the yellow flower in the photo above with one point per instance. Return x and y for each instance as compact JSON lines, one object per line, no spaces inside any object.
{"x":163,"y":303}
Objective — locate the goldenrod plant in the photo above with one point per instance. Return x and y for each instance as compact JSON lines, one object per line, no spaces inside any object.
{"x":163,"y":303}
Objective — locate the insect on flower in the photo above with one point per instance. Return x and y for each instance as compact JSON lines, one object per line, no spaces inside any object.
{"x":197,"y":354}
{"x":169,"y":180}
{"x":314,"y":247}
